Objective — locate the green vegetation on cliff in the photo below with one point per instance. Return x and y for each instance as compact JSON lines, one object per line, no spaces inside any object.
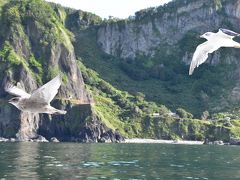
{"x":136,"y":97}
{"x":162,"y":78}
{"x":35,"y":27}
{"x":132,"y":116}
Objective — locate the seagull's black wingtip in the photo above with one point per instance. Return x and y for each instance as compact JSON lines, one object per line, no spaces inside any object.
{"x":229,"y":32}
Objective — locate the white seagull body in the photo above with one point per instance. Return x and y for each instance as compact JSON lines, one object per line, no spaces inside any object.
{"x":39,"y":100}
{"x":223,"y":38}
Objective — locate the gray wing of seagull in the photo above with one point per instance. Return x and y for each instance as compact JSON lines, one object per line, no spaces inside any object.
{"x":11,"y":89}
{"x":47,"y":92}
{"x":201,"y":54}
{"x":229,"y":32}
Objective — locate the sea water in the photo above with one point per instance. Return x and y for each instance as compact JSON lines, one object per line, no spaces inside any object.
{"x":31,"y":160}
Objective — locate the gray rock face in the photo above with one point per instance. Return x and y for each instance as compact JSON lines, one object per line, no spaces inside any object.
{"x":27,"y":125}
{"x":79,"y":125}
{"x":53,"y":139}
{"x":176,"y":28}
{"x":144,"y":35}
{"x":39,"y":138}
{"x":13,"y":123}
{"x":58,"y":56}
{"x":3,"y":139}
{"x":234,"y":141}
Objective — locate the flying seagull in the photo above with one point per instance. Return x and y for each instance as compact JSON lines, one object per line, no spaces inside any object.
{"x":39,"y":100}
{"x":223,"y":38}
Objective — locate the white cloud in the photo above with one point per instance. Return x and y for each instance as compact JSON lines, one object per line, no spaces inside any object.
{"x":116,"y":8}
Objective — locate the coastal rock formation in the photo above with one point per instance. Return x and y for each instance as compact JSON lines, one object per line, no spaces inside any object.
{"x":156,"y":38}
{"x":33,"y":51}
{"x":117,"y":73}
{"x":161,"y":26}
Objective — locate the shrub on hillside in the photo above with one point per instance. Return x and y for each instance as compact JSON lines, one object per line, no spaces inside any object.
{"x":183,"y":113}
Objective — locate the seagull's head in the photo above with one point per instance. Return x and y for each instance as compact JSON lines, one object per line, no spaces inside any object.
{"x":207,"y":35}
{"x":14,"y":101}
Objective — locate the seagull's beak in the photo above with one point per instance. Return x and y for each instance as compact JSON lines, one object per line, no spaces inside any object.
{"x":201,"y":36}
{"x":9,"y":101}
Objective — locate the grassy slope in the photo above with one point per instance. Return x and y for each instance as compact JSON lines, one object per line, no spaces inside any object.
{"x":180,"y":90}
{"x":120,"y":114}
{"x":197,"y":93}
{"x":118,"y":109}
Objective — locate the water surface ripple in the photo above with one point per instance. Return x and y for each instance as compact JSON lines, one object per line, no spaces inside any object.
{"x":118,"y":161}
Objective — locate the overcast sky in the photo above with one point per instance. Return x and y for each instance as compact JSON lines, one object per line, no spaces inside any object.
{"x":106,"y":8}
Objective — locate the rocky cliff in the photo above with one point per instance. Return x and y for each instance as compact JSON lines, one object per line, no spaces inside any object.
{"x":166,"y":26}
{"x":158,"y":43}
{"x":35,"y":47}
{"x":117,"y":73}
{"x":148,"y":55}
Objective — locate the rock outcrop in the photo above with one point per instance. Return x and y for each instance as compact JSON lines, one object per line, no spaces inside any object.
{"x":170,"y":34}
{"x":38,"y":41}
{"x":43,"y":49}
{"x":167,"y":25}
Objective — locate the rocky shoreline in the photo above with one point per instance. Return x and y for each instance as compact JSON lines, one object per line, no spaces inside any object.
{"x":232,"y":141}
{"x":37,"y":139}
{"x":161,"y":141}
{"x":88,"y":135}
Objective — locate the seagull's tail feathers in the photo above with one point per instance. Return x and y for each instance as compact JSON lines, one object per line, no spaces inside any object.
{"x":52,"y":110}
{"x":236,"y":45}
{"x":58,"y":112}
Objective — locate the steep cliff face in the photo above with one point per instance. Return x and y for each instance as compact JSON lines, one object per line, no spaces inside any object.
{"x":148,"y":56}
{"x":167,"y":25}
{"x":121,"y":65}
{"x":36,"y":47}
{"x":155,"y":47}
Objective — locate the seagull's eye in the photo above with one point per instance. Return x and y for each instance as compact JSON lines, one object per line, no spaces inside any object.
{"x":15,"y":99}
{"x":208,"y":34}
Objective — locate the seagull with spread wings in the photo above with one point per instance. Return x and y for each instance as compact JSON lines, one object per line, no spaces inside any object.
{"x":39,"y":100}
{"x":223,"y":38}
